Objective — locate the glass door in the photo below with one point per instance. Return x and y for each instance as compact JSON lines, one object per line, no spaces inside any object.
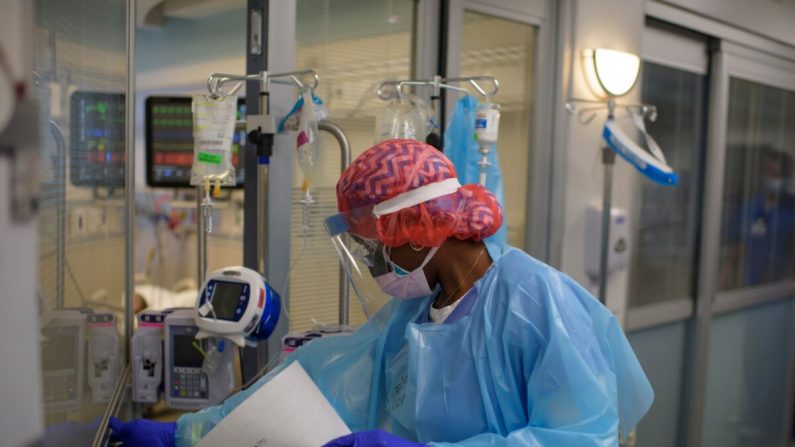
{"x":352,"y":45}
{"x":490,"y":38}
{"x":751,"y":361}
{"x":711,"y":303}
{"x":663,"y":266}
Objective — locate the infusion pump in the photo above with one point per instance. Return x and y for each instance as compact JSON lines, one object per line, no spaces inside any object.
{"x":80,"y":353}
{"x":187,"y":354}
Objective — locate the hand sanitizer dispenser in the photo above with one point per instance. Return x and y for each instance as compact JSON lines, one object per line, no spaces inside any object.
{"x":618,"y":252}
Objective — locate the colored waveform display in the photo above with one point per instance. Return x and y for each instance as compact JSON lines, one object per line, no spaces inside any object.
{"x":169,"y":141}
{"x":97,"y":139}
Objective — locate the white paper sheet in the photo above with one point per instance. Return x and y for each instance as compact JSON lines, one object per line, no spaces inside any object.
{"x":288,"y":411}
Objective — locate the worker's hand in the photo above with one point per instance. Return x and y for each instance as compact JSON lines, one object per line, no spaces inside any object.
{"x":143,"y":433}
{"x":371,"y":438}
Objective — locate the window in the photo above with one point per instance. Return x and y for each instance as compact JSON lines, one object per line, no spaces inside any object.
{"x":80,"y":71}
{"x":758,"y":234}
{"x":352,"y":45}
{"x":505,"y":49}
{"x":665,"y":239}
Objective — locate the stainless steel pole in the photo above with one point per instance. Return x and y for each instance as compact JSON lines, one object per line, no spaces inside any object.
{"x":129,"y":181}
{"x":345,"y":161}
{"x":60,"y":214}
{"x":262,"y":217}
{"x":609,"y":161}
{"x":201,"y":239}
{"x":262,"y":186}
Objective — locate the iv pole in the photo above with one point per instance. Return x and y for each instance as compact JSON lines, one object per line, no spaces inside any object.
{"x":586,"y":116}
{"x":260,"y":129}
{"x":391,"y":89}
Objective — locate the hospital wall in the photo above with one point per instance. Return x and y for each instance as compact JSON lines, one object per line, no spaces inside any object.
{"x":592,"y":25}
{"x":770,"y":18}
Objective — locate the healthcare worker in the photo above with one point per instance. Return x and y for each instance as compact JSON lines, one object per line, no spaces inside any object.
{"x":759,"y":239}
{"x":482,"y":345}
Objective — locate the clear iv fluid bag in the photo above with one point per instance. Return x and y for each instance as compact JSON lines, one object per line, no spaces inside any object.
{"x":487,"y":123}
{"x":213,"y":132}
{"x":407,"y":116}
{"x":307,"y":140}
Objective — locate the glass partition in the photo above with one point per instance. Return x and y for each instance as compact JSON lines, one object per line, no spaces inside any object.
{"x":352,"y":45}
{"x":661,"y":352}
{"x":667,"y":222}
{"x":748,"y":371}
{"x":758,"y":234}
{"x":80,"y":73}
{"x":506,"y":49}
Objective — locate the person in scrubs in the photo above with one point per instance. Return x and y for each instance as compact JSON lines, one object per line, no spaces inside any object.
{"x":479,"y":344}
{"x":759,"y":240}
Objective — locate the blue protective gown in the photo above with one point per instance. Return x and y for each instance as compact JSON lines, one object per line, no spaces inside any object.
{"x":528,"y":358}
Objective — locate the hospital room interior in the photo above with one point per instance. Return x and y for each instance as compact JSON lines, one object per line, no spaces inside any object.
{"x":397,"y":223}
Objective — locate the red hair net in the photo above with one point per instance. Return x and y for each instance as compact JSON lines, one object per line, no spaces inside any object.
{"x":393,"y":167}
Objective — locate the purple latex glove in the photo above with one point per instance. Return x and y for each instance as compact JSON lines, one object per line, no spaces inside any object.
{"x":371,"y":438}
{"x":143,"y":433}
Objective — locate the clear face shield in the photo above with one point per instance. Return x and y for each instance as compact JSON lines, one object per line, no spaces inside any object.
{"x":362,"y":260}
{"x":357,"y":234}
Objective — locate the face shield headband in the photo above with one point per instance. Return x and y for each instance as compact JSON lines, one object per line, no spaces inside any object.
{"x":355,"y":236}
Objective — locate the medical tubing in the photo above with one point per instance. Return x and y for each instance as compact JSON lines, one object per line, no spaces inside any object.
{"x":304,"y":245}
{"x":264,"y":370}
{"x":306,"y":211}
{"x":484,"y":166}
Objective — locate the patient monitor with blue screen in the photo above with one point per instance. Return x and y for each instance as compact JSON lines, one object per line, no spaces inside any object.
{"x":237,"y":304}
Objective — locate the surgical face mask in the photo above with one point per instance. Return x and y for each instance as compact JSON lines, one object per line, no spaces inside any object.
{"x":775,"y":185}
{"x":403,"y":284}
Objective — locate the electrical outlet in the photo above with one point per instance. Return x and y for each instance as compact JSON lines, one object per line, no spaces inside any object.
{"x":97,"y":221}
{"x":237,"y":226}
{"x":78,"y":226}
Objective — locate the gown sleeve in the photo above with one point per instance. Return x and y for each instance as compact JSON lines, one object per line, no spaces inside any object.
{"x":341,"y":367}
{"x":584,"y":385}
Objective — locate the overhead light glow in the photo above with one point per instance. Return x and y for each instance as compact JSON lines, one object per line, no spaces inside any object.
{"x":610,"y":72}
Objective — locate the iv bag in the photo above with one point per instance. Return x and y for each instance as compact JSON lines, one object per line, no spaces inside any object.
{"x":293,"y":117}
{"x":407,"y":116}
{"x":213,"y":131}
{"x":307,"y":141}
{"x":214,"y":356}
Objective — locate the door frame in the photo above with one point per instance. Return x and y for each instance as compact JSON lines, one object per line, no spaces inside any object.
{"x":540,"y":14}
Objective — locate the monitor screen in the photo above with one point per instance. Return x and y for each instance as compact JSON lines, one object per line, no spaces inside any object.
{"x":169,"y":141}
{"x":59,"y":348}
{"x":96,"y":139}
{"x":185,"y":354}
{"x":225,"y":298}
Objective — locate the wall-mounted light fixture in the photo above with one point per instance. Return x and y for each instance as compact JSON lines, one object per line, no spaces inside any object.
{"x":610,"y":73}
